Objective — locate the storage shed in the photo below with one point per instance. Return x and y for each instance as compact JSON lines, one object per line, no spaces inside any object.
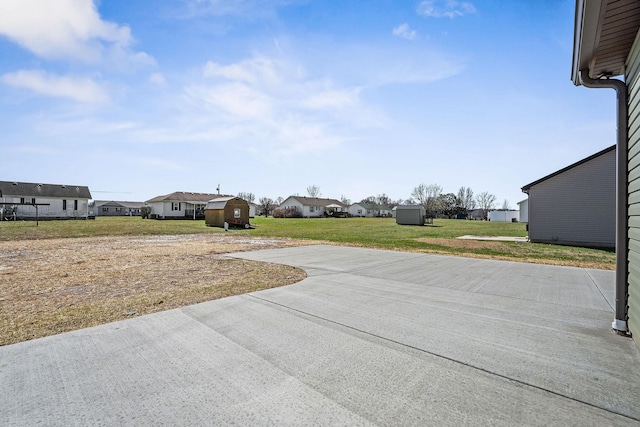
{"x":504,"y":215}
{"x":232,"y":210}
{"x":410,"y":214}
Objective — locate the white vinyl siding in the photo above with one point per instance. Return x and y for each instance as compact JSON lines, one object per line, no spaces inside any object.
{"x":632,"y":79}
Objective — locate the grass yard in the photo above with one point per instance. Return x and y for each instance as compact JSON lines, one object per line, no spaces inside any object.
{"x":381,"y":233}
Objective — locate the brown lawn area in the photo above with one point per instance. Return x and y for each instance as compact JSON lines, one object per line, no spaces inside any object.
{"x":58,"y":285}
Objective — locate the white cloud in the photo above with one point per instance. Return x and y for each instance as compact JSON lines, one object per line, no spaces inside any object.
{"x":404,"y":31}
{"x":242,"y":8}
{"x":158,"y":79}
{"x":67,"y":29}
{"x":77,"y":88}
{"x":445,"y":8}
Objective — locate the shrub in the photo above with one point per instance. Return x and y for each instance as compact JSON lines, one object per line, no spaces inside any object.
{"x":288,"y":212}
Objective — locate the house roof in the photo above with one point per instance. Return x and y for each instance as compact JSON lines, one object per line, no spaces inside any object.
{"x":183,"y":196}
{"x":31,"y":189}
{"x":604,"y":33}
{"x":315,"y":201}
{"x":117,"y":204}
{"x":526,"y":188}
{"x":373,"y":206}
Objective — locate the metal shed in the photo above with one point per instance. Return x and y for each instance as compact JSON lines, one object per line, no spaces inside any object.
{"x":232,"y":210}
{"x":410,"y":214}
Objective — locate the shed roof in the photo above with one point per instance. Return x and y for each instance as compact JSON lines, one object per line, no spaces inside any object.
{"x":221,"y":202}
{"x":31,"y":189}
{"x":604,"y":33}
{"x":183,"y":196}
{"x":409,"y":207}
{"x":526,"y":188}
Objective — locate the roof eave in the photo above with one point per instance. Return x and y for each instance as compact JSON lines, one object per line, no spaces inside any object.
{"x":586,"y":28}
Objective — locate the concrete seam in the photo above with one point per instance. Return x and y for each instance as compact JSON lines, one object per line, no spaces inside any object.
{"x":459,"y":362}
{"x":598,"y":288}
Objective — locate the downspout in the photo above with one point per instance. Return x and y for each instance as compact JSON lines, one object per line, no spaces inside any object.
{"x":622,"y":270}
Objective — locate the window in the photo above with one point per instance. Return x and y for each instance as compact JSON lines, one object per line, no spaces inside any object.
{"x":105,"y":209}
{"x":33,"y":200}
{"x":311,"y":208}
{"x":75,"y":204}
{"x":21,"y":199}
{"x":176,"y":206}
{"x":64,"y":205}
{"x":236,"y":213}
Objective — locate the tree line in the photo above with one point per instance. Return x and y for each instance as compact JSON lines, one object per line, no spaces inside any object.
{"x":431,"y":197}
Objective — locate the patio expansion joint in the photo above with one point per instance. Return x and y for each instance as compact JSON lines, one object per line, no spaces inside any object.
{"x":595,"y":283}
{"x":441,"y":356}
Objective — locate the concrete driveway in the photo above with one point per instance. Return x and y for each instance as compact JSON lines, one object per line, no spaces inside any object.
{"x":369,"y":338}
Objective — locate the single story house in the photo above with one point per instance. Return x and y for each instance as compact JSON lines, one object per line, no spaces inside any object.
{"x":476,"y":214}
{"x":179,"y":205}
{"x":30,"y":201}
{"x":231,"y":210}
{"x":410,"y":215}
{"x":115,"y":208}
{"x":523,"y":206}
{"x":367,"y":209}
{"x":576,"y":205}
{"x":504,"y":215}
{"x":606,"y":45}
{"x":313,"y":207}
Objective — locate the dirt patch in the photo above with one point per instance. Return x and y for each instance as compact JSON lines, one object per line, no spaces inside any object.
{"x":53,"y":286}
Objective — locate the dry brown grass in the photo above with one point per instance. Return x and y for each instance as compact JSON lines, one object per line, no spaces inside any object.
{"x":53,"y":286}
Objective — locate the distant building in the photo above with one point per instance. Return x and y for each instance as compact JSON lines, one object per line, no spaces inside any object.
{"x":313,"y":207}
{"x":576,"y":205}
{"x":524,"y":210}
{"x":504,"y":215}
{"x":115,"y":208}
{"x":180,"y":205}
{"x":30,"y":201}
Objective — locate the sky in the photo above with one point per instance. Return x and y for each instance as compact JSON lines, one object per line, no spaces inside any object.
{"x":137,"y":99}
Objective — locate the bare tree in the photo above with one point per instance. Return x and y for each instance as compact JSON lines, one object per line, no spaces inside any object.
{"x":486,"y":201}
{"x":249,"y":197}
{"x":345,"y":200}
{"x":383,"y":200}
{"x":505,"y":205}
{"x":466,"y":199}
{"x":279,"y":200}
{"x":313,"y":191}
{"x":419,"y":194}
{"x":266,"y":206}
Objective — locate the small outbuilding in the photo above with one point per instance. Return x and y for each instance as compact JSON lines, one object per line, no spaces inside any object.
{"x":504,"y":215}
{"x":410,"y":215}
{"x":232,"y":210}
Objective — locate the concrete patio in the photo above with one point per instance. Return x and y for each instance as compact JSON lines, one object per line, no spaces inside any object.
{"x":369,"y":338}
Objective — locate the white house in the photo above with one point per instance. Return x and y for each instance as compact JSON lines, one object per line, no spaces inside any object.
{"x":115,"y":208}
{"x":504,"y":215}
{"x":524,"y":210}
{"x":180,"y":205}
{"x":27,"y":200}
{"x":366,"y":209}
{"x":313,"y":207}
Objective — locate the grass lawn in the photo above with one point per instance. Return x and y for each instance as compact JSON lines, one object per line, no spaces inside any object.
{"x":381,"y":233}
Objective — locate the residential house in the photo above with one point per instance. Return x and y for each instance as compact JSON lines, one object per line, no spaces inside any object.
{"x":576,"y":205}
{"x":30,"y":201}
{"x":115,"y":208}
{"x":180,"y":205}
{"x":368,"y":209}
{"x":313,"y":207}
{"x":606,"y":45}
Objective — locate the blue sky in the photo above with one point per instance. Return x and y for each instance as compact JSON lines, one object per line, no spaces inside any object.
{"x":139,"y":99}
